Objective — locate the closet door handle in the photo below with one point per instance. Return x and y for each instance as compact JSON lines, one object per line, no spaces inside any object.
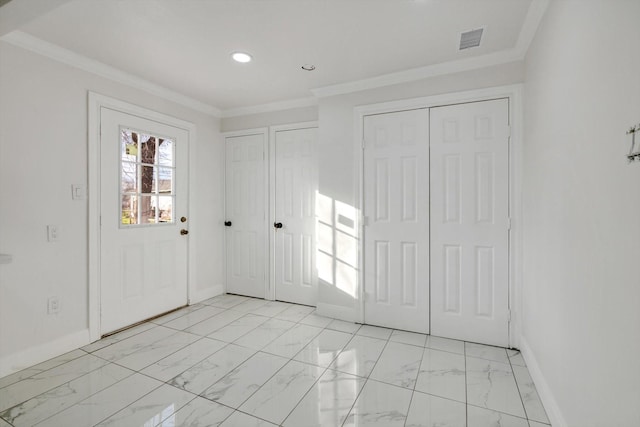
{"x":277,"y":224}
{"x":227,"y":223}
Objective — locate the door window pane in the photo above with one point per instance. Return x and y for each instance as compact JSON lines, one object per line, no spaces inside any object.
{"x":129,"y":210}
{"x":147,"y":173}
{"x":165,"y":209}
{"x":165,"y":153}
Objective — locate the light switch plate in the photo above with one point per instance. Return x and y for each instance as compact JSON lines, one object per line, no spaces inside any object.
{"x":78,"y":192}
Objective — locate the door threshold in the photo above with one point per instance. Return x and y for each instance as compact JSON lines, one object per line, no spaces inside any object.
{"x":142,"y":321}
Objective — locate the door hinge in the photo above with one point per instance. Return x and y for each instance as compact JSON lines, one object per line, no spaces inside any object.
{"x":365,"y":221}
{"x":509,"y":131}
{"x":363,"y":143}
{"x":509,"y":223}
{"x":508,"y":315}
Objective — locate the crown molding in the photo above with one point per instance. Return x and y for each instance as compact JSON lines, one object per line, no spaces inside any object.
{"x":420,"y":73}
{"x":532,"y":20}
{"x":536,"y":11}
{"x":530,"y":25}
{"x":60,"y":54}
{"x":311,"y":101}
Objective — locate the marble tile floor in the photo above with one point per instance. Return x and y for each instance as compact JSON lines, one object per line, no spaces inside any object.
{"x":238,"y":361}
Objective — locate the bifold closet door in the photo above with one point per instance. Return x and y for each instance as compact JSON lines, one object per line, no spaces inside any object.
{"x":246,"y":189}
{"x":396,"y":210}
{"x":295,"y":186}
{"x":470,"y":221}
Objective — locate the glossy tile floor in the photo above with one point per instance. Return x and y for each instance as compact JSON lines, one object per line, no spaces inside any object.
{"x":237,"y":361}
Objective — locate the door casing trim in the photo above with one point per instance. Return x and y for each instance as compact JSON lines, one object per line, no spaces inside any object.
{"x":97,"y":101}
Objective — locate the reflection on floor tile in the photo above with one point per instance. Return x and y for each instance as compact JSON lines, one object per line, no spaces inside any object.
{"x":198,"y":413}
{"x":324,"y":348}
{"x":359,"y":356}
{"x":328,"y":402}
{"x":240,"y":361}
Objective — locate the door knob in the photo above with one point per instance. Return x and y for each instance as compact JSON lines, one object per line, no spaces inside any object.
{"x":227,"y":223}
{"x":184,"y":232}
{"x":277,"y":224}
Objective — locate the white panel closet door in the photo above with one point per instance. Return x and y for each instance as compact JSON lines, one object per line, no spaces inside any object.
{"x":143,"y":194}
{"x":296,"y":183}
{"x":246,"y":215}
{"x":469,"y":221}
{"x":396,"y":209}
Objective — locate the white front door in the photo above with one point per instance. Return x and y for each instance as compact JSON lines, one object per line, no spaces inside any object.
{"x":295,"y":185}
{"x":470,"y":221}
{"x":143,"y":196}
{"x":246,"y":189}
{"x":396,"y":210}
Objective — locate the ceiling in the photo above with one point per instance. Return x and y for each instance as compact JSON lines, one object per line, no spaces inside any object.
{"x":185,"y":45}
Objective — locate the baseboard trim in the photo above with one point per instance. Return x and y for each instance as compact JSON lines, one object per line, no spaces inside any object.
{"x":204,"y":294}
{"x":544,"y":391}
{"x":42,"y":352}
{"x":336,"y":312}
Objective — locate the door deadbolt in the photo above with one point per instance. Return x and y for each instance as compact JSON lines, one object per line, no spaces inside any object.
{"x":183,"y":219}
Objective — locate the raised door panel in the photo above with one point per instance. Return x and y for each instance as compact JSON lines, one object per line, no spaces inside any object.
{"x":295,"y":186}
{"x":246,"y":210}
{"x":396,"y":208}
{"x":469,"y":221}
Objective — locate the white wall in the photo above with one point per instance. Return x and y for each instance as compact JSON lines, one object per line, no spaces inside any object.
{"x":43,"y":151}
{"x":582,"y":212}
{"x":272,"y":118}
{"x":338,"y":179}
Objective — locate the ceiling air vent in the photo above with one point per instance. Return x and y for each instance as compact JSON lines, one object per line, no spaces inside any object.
{"x":470,"y":39}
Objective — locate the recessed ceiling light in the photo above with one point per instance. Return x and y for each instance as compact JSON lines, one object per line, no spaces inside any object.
{"x":308,"y":67}
{"x":241,"y":57}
